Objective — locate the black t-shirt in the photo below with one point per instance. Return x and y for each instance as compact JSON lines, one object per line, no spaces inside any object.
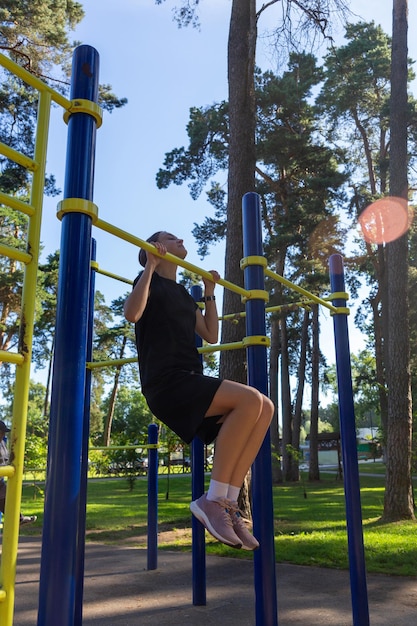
{"x":165,"y":334}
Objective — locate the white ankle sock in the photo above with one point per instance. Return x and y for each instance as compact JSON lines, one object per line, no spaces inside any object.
{"x":233,"y":493}
{"x":217,"y":490}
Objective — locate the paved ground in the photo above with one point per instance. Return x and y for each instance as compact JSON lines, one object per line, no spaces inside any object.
{"x":119,"y":591}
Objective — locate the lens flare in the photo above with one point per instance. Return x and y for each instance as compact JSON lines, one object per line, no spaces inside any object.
{"x":385,"y":220}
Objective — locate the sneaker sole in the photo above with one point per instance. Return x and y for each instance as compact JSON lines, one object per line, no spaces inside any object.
{"x":244,"y":547}
{"x":202,"y":517}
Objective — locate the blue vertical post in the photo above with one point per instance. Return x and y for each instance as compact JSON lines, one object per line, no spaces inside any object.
{"x":152,"y":497}
{"x":263,"y":513}
{"x":356,"y":551}
{"x":79,"y":567}
{"x":197,"y":489}
{"x":60,"y":530}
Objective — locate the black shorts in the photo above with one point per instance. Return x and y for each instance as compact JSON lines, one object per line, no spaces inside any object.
{"x":181,"y":399}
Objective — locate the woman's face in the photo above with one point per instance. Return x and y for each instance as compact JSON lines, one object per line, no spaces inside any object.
{"x":173,"y":244}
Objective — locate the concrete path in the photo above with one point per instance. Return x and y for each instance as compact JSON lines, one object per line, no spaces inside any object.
{"x":118,"y":591}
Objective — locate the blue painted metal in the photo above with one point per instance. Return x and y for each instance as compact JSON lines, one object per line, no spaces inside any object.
{"x":357,"y":568}
{"x":263,"y":512}
{"x":197,"y":489}
{"x":60,"y":530}
{"x":152,"y":498}
{"x":79,"y":567}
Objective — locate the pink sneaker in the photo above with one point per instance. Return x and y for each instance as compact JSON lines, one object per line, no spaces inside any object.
{"x":215,"y":517}
{"x":239,"y":526}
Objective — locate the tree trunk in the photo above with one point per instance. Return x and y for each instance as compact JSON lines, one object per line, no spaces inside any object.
{"x":273,"y":391}
{"x":313,"y":471}
{"x":286,"y":402}
{"x":112,"y":401}
{"x":296,"y":425}
{"x":241,"y":176}
{"x":398,"y":502}
{"x":242,"y":161}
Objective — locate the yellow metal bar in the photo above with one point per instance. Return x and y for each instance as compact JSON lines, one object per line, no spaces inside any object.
{"x":145,"y":446}
{"x":34,"y":81}
{"x":236,"y":345}
{"x":256,"y":340}
{"x":15,"y":203}
{"x":93,"y":365}
{"x":11,"y":357}
{"x":118,"y":232}
{"x":21,"y":394}
{"x":95,"y":266}
{"x":7,"y":470}
{"x":18,"y":157}
{"x":299,"y":289}
{"x":13,"y":253}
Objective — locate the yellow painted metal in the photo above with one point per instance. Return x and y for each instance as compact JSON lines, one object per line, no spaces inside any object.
{"x":93,"y":365}
{"x":30,"y":79}
{"x":338,"y":295}
{"x":236,"y":345}
{"x":11,"y":357}
{"x":7,"y":470}
{"x":85,"y":106}
{"x":95,"y":266}
{"x":300,"y":290}
{"x":18,"y":433}
{"x":77,"y":205}
{"x":253,"y":260}
{"x":146,"y":446}
{"x":256,"y":340}
{"x":136,"y":241}
{"x":13,"y":253}
{"x":255,"y":294}
{"x":15,"y":203}
{"x":18,"y":157}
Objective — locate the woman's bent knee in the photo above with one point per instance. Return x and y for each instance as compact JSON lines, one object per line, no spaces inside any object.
{"x":268,"y":407}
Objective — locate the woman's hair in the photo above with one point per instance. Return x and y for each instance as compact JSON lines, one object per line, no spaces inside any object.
{"x":142,"y":252}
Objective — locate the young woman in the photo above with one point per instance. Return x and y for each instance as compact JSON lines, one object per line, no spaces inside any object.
{"x":191,"y":404}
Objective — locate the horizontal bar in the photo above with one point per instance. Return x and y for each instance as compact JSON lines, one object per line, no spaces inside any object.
{"x":11,"y":357}
{"x":299,"y":289}
{"x":136,"y":241}
{"x":95,"y":266}
{"x":13,"y":253}
{"x":18,"y":157}
{"x":7,"y":470}
{"x":146,"y":446}
{"x":15,"y":203}
{"x":32,"y":80}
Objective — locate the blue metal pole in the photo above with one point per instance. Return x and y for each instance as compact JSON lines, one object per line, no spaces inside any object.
{"x":79,"y":567}
{"x":152,"y":497}
{"x":197,"y":489}
{"x":263,"y":513}
{"x":349,"y":449}
{"x":60,"y":530}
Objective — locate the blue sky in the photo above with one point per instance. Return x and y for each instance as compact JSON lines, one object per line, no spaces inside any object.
{"x":162,"y":71}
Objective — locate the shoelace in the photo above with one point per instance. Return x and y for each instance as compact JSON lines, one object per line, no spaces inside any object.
{"x":228,"y":508}
{"x":236,"y":514}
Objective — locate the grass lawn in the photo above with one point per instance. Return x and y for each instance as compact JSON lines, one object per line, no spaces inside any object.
{"x":310,"y":526}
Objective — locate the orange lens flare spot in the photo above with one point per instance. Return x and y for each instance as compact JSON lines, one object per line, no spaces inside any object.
{"x":385,"y":220}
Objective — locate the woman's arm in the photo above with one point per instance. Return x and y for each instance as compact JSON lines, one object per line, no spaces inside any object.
{"x":207,"y":325}
{"x":136,"y":302}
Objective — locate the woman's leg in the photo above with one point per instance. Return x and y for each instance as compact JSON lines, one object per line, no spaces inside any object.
{"x":248,"y":414}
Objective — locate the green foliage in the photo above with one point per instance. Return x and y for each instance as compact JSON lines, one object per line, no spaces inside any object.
{"x":131,"y":417}
{"x":308,"y":531}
